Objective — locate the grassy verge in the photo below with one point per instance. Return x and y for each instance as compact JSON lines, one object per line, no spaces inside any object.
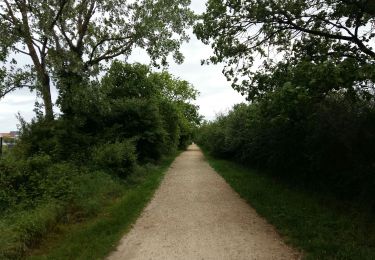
{"x":321,"y":227}
{"x":95,"y":238}
{"x":87,"y":229}
{"x":25,"y":226}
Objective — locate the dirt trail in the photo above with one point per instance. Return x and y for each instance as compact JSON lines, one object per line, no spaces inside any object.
{"x":196,"y":215}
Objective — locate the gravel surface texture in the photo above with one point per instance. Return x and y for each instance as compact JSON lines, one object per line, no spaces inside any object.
{"x":195,"y":214}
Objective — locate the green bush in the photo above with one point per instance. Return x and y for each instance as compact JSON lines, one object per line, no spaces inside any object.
{"x":324,"y":143}
{"x":23,"y":183}
{"x":63,"y":139}
{"x":170,"y":120}
{"x":140,"y":120}
{"x":119,"y":158}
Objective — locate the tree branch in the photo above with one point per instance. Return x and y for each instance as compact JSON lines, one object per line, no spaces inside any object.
{"x":353,"y":38}
{"x":9,"y":90}
{"x":102,"y":41}
{"x":21,"y":51}
{"x":70,"y":43}
{"x":82,"y":30}
{"x":109,"y":54}
{"x":28,"y":39}
{"x":10,"y":11}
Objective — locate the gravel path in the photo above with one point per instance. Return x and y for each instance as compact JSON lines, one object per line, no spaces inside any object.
{"x":196,"y":215}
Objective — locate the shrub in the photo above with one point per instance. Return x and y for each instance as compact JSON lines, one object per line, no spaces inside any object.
{"x":325,"y":143}
{"x":26,"y":182}
{"x":62,"y":139}
{"x":118,"y":158}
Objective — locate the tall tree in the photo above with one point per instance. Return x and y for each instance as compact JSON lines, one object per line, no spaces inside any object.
{"x":69,"y":40}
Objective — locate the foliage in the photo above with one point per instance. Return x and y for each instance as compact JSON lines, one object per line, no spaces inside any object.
{"x":68,"y":41}
{"x":134,"y":110}
{"x":244,"y":32}
{"x":62,"y":139}
{"x":24,"y":183}
{"x":312,"y":113}
{"x":25,"y":228}
{"x":21,"y":231}
{"x":131,"y":102}
{"x":154,"y":108}
{"x":119,"y":158}
{"x":83,"y":159}
{"x":96,"y":238}
{"x":323,"y":144}
{"x":105,"y":202}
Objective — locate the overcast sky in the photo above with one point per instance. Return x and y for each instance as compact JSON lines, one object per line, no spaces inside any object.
{"x":216,"y":94}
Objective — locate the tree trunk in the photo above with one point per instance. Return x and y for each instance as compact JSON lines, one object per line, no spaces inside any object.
{"x":38,"y":60}
{"x":46,"y":95}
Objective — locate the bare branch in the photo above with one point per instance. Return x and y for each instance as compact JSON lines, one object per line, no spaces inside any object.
{"x":21,"y":51}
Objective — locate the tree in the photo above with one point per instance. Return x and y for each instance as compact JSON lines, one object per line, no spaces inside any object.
{"x":180,"y":115}
{"x":69,"y":40}
{"x":156,"y":107}
{"x":243,"y":31}
{"x":24,"y":36}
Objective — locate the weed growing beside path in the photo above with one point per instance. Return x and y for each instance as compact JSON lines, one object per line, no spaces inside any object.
{"x":95,"y":237}
{"x":321,"y":227}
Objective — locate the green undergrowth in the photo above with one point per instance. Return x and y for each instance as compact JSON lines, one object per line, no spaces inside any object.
{"x":320,"y":226}
{"x":23,"y":227}
{"x":98,"y":236}
{"x":86,"y":228}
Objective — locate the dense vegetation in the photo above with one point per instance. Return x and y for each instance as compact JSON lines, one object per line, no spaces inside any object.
{"x":311,"y":116}
{"x":97,"y":237}
{"x":67,"y":168}
{"x":324,"y":146}
{"x":310,"y":120}
{"x":115,"y":118}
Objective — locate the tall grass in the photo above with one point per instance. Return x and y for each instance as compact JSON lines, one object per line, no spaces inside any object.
{"x":24,"y":228}
{"x":98,"y":236}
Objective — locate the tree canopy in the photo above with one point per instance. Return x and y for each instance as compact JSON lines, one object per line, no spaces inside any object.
{"x":70,"y":39}
{"x":241,"y":32}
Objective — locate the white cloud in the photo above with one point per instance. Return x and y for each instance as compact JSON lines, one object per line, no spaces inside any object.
{"x":198,"y":6}
{"x":216,"y":92}
{"x":17,"y":102}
